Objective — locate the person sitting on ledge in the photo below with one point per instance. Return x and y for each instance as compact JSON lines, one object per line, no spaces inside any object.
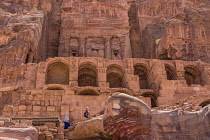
{"x":86,"y":113}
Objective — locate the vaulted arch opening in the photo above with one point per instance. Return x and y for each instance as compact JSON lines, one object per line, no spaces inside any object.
{"x":153,"y":98}
{"x":142,"y":72}
{"x":57,"y":73}
{"x":55,"y":88}
{"x":114,"y":76}
{"x":88,"y":92}
{"x":205,"y":103}
{"x":29,"y":57}
{"x":170,"y":72}
{"x":192,"y":75}
{"x":87,"y":75}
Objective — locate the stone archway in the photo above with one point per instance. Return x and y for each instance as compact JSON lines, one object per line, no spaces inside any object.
{"x":192,"y":75}
{"x":142,"y":72}
{"x":57,"y":73}
{"x":87,"y":75}
{"x":29,"y":57}
{"x":170,"y":72}
{"x":114,"y":76}
{"x":87,"y":91}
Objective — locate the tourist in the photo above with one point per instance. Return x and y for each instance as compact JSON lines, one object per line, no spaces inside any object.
{"x":86,"y":113}
{"x":66,"y":121}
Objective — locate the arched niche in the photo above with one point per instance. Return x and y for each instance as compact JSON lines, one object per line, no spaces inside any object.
{"x":29,"y":57}
{"x":54,"y":88}
{"x":170,"y":72}
{"x":192,"y":75}
{"x":87,"y":75}
{"x":142,"y":71}
{"x":122,"y":91}
{"x":57,"y":73}
{"x":114,"y":76}
{"x":153,"y":98}
{"x":88,"y":92}
{"x":205,"y":103}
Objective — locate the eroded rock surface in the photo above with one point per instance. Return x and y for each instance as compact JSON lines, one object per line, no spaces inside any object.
{"x":92,"y":128}
{"x":128,"y":118}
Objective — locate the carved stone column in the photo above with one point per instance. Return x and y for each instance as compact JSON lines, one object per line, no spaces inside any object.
{"x":180,"y":72}
{"x":107,"y":48}
{"x":126,"y":47}
{"x":82,"y":46}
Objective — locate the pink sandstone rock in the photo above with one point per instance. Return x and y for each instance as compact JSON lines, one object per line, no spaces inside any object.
{"x":18,"y":133}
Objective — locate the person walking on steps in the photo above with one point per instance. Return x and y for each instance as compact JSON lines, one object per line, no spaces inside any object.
{"x":66,"y":121}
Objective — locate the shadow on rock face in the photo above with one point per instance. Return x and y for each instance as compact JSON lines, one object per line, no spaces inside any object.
{"x":127,"y":118}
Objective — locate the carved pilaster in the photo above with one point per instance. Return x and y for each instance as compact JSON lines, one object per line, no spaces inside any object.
{"x":82,"y":46}
{"x":126,"y":47}
{"x":107,"y":48}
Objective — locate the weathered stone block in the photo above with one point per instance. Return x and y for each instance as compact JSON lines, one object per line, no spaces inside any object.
{"x":27,"y":122}
{"x":28,"y":92}
{"x":47,"y":103}
{"x":36,"y":108}
{"x":8,"y":124}
{"x":60,"y":129}
{"x":29,"y":108}
{"x":21,"y":113}
{"x":49,"y":137}
{"x":43,"y":128}
{"x":42,"y":103}
{"x":36,"y":113}
{"x":22,"y":107}
{"x":56,"y":103}
{"x":38,"y":97}
{"x":16,"y":108}
{"x":33,"y":102}
{"x":38,"y":103}
{"x":28,"y":102}
{"x":8,"y":108}
{"x":66,"y":98}
{"x":51,"y":108}
{"x":51,"y":103}
{"x":17,"y":102}
{"x":5,"y":119}
{"x":58,"y":109}
{"x":59,"y":92}
{"x":23,"y":97}
{"x":65,"y":108}
{"x":30,"y":97}
{"x":22,"y":102}
{"x":48,"y":92}
{"x":50,"y":125}
{"x":36,"y":92}
{"x":69,"y":92}
{"x":59,"y":136}
{"x":1,"y":123}
{"x":44,"y":108}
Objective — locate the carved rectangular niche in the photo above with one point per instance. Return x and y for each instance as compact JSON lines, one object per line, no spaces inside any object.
{"x":95,"y":47}
{"x":115,"y":46}
{"x":74,"y":45}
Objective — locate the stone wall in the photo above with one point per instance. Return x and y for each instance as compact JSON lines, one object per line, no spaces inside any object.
{"x":157,"y":79}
